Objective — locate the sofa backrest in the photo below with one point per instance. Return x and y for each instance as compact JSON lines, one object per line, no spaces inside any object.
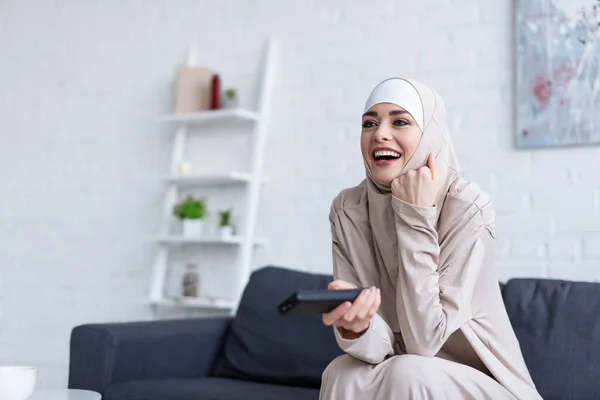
{"x":266,"y":347}
{"x":558,"y":326}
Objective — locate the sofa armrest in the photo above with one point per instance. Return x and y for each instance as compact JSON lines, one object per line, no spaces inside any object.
{"x":103,"y":354}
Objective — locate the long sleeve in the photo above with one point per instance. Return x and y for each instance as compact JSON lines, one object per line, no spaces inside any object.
{"x":433,"y":301}
{"x":376,"y":343}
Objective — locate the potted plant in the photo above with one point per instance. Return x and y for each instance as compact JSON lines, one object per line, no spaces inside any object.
{"x":230,"y":99}
{"x":225,"y":227}
{"x":191,"y":211}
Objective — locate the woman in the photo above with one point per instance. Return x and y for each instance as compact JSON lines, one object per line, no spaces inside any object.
{"x":431,"y":323}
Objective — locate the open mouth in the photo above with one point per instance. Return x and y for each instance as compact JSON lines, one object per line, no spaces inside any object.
{"x":386,"y":155}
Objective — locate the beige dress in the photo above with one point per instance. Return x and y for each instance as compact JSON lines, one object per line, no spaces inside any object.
{"x":442,"y":330}
{"x":465,"y":350}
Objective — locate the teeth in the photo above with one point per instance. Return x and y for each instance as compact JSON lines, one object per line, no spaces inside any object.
{"x":381,"y":153}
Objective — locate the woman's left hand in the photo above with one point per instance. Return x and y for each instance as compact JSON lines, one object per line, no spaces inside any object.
{"x":418,"y":187}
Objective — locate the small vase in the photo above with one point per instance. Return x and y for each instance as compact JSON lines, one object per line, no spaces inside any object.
{"x":190,"y":281}
{"x":192,"y":227}
{"x":226,"y":231}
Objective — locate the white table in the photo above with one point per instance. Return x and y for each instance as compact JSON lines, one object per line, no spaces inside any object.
{"x":65,"y":394}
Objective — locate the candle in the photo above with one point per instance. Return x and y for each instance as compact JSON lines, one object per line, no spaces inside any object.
{"x":184,"y":168}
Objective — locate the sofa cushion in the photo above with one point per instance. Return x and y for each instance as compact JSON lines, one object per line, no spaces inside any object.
{"x":558,"y":327}
{"x":263,"y":346}
{"x":204,"y":389}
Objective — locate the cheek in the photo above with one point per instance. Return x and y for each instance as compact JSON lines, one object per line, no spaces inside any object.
{"x":411,"y":140}
{"x":365,"y":143}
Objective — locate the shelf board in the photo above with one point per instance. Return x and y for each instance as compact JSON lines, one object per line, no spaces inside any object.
{"x":192,"y":302}
{"x":231,"y":178}
{"x":235,"y":115}
{"x":233,"y":240}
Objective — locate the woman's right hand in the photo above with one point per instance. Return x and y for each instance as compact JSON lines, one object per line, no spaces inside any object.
{"x":353,"y":319}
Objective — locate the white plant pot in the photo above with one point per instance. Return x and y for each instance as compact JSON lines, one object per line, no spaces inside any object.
{"x":226,"y":231}
{"x":229,"y":103}
{"x":193,"y":227}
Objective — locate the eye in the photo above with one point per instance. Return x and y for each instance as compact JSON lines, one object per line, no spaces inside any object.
{"x":401,"y":122}
{"x":368,"y":124}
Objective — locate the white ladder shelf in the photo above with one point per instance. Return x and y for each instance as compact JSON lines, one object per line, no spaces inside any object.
{"x":253,"y":179}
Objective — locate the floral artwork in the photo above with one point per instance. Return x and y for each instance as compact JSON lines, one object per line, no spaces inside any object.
{"x":558,"y":72}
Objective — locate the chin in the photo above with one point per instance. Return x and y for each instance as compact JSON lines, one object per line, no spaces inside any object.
{"x":384,"y":171}
{"x":384,"y":177}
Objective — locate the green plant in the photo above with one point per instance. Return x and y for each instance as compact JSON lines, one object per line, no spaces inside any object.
{"x":230,"y":93}
{"x":190,"y":208}
{"x":225,"y":218}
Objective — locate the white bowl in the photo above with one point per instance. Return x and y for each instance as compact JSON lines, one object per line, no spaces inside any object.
{"x":17,"y":383}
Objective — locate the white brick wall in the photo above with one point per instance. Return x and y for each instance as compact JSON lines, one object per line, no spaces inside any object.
{"x":81,"y":81}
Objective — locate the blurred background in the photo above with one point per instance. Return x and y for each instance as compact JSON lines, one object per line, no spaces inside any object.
{"x":87,"y":130}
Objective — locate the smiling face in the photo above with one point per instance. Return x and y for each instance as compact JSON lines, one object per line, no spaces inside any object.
{"x":389,"y":138}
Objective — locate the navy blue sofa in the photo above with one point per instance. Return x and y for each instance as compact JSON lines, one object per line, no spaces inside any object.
{"x":260,"y":355}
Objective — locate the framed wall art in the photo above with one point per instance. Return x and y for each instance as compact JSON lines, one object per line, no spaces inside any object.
{"x":557,"y":72}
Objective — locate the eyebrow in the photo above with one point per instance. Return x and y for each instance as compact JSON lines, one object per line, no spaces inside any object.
{"x":392,"y":113}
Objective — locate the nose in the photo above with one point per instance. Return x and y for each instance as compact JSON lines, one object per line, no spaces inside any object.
{"x":382,"y":134}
